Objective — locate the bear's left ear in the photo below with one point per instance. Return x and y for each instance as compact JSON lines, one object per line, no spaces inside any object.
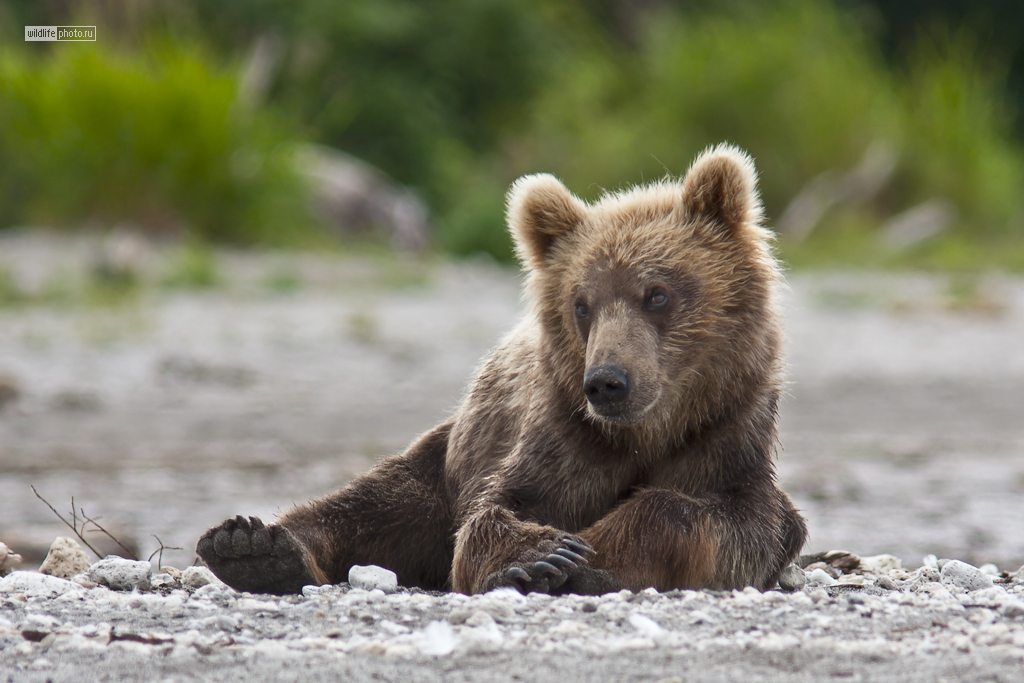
{"x":540,"y":210}
{"x":721,"y":186}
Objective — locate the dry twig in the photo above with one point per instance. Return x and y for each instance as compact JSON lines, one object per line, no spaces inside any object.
{"x":160,"y":550}
{"x":73,"y":525}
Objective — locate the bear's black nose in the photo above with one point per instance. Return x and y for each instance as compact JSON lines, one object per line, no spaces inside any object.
{"x":606,"y":386}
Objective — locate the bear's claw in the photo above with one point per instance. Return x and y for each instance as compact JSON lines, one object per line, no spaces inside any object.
{"x":250,"y":556}
{"x":579,"y":546}
{"x":548,"y":573}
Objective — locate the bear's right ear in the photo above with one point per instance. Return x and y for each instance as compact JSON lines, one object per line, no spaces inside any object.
{"x":721,"y":187}
{"x":540,"y":210}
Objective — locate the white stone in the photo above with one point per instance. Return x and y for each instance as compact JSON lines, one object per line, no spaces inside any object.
{"x":121,"y":574}
{"x":964,"y":575}
{"x":65,"y":559}
{"x":8,"y":560}
{"x":34,"y":585}
{"x":850,"y":580}
{"x":162,"y":579}
{"x":990,"y":569}
{"x":880,"y":564}
{"x":1013,"y":609}
{"x":197,"y":577}
{"x":935,"y":590}
{"x":372,"y":577}
{"x":819,"y":577}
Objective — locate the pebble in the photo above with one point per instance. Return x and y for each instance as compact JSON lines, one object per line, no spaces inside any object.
{"x":8,"y":560}
{"x":792,"y":579}
{"x":163,"y":580}
{"x":36,"y":585}
{"x":216,"y":623}
{"x":197,"y":577}
{"x":965,"y":576}
{"x":173,"y":571}
{"x":1013,"y":609}
{"x":880,"y":564}
{"x":819,"y":577}
{"x":121,"y":574}
{"x":65,"y":559}
{"x":372,"y":577}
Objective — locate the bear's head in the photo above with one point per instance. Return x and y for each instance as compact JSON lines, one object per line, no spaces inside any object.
{"x":656,"y":303}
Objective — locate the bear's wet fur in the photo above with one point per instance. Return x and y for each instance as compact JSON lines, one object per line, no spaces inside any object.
{"x":622,"y":436}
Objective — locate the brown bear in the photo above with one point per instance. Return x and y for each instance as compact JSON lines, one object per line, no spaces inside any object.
{"x":622,"y":436}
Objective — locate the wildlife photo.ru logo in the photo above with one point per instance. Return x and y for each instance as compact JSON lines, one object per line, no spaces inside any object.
{"x":54,"y":33}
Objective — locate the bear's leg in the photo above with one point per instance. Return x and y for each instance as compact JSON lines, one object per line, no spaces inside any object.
{"x":667,"y":540}
{"x":396,"y":516}
{"x":495,"y":549}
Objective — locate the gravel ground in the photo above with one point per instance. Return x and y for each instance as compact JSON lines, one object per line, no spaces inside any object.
{"x":902,"y":434}
{"x":929,"y":628}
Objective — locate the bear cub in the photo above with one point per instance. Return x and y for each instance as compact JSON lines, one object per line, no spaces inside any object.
{"x":622,"y":436}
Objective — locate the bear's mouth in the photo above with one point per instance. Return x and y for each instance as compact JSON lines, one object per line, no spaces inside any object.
{"x":625,"y":414}
{"x":621,"y":417}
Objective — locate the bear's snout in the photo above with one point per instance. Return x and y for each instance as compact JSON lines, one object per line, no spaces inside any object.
{"x":606,"y":387}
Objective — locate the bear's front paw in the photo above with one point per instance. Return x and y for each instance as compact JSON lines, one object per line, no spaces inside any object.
{"x":250,"y":556}
{"x":565,"y":557}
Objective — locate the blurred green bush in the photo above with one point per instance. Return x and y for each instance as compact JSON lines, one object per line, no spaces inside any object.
{"x":88,"y":134}
{"x":805,"y":92}
{"x":459,"y":97}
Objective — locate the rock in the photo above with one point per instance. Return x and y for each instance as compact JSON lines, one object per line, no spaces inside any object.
{"x":197,"y":577}
{"x":173,"y":571}
{"x":880,"y":564}
{"x":33,"y":585}
{"x":65,"y":559}
{"x":792,"y":578}
{"x":8,"y":560}
{"x":851,"y":580}
{"x":842,"y":560}
{"x":990,"y":569}
{"x":965,"y":576}
{"x":33,"y":542}
{"x":121,"y":574}
{"x":825,"y":567}
{"x":885,"y":582}
{"x":1013,"y":609}
{"x":83,"y":581}
{"x":935,"y":590}
{"x":163,"y":580}
{"x":372,"y":577}
{"x":819,"y":577}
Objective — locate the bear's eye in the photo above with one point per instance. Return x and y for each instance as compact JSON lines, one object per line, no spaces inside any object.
{"x":582,"y":310}
{"x":656,"y":300}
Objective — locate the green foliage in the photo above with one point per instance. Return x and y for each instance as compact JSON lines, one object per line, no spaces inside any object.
{"x":194,"y":266}
{"x":802,"y":89}
{"x":457,"y":98}
{"x":156,"y":139}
